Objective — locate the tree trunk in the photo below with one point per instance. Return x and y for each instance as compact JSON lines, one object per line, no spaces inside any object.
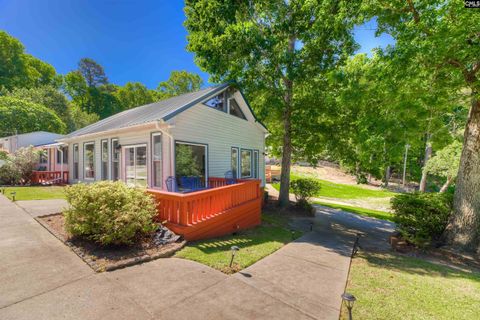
{"x":464,"y":228}
{"x":428,"y":154}
{"x":386,"y":178}
{"x":283,"y":198}
{"x":445,"y":185}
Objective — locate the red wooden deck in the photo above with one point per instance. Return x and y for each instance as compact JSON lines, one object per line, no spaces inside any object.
{"x":49,"y":177}
{"x":211,"y":213}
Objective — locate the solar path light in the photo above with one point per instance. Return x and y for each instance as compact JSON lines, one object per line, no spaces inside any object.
{"x":234,"y":250}
{"x":349,"y":299}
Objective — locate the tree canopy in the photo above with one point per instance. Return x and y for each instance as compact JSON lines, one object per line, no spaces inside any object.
{"x":178,"y":83}
{"x":274,"y":50}
{"x":23,"y":116}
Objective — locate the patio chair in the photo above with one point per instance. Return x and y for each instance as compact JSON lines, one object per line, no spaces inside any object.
{"x":171,"y":184}
{"x":230,"y":178}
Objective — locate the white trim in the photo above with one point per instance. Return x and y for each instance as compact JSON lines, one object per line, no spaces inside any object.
{"x":124,"y":154}
{"x":94,"y":160}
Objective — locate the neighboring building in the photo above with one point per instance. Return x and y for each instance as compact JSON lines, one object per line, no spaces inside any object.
{"x":37,"y":138}
{"x":204,"y":134}
{"x":51,"y":160}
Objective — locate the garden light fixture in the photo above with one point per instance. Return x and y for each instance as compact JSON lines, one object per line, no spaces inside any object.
{"x":234,"y":251}
{"x":349,"y":299}
{"x":13,"y":193}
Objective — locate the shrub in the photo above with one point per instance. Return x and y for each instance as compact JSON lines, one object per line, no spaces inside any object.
{"x":421,"y":218}
{"x":304,"y":189}
{"x":109,"y":212}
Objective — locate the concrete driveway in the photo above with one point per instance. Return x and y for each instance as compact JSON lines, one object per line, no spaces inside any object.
{"x":42,"y":279}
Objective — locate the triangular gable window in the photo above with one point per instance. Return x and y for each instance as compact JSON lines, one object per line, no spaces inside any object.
{"x":217,"y":102}
{"x":235,"y":110}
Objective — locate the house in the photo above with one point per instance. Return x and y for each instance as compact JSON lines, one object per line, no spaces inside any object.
{"x":204,"y":133}
{"x":196,"y":139}
{"x":55,"y":155}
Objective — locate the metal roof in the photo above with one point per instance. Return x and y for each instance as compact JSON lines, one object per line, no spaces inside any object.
{"x":162,"y":110}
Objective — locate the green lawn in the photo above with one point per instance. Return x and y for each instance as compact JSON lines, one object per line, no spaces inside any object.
{"x":344,"y":191}
{"x":254,"y":244}
{"x":393,"y":286}
{"x":35,"y":193}
{"x":360,"y":211}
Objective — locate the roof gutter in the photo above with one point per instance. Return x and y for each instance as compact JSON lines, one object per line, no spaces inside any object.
{"x":148,"y":125}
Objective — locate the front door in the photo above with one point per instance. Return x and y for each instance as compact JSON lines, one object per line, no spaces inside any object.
{"x":136,"y":165}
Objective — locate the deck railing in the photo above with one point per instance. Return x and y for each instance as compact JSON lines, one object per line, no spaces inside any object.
{"x":50,"y":177}
{"x":191,"y":208}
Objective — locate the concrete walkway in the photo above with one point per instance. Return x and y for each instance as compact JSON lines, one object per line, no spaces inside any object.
{"x":38,"y":208}
{"x":43,"y":279}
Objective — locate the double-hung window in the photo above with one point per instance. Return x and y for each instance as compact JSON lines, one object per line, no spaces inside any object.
{"x":115,"y":159}
{"x":157,"y":159}
{"x":75,"y":161}
{"x":246,"y":163}
{"x":104,"y":145}
{"x":89,"y":160}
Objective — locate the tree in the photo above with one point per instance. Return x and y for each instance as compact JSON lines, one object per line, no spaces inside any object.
{"x":100,"y":99}
{"x":178,"y":83}
{"x":80,"y":118}
{"x":134,"y":94}
{"x":272,"y":49}
{"x":46,"y":96}
{"x":23,"y":116}
{"x":442,"y":36}
{"x":21,"y":70}
{"x":12,"y":65}
{"x":93,"y":73}
{"x":445,"y":163}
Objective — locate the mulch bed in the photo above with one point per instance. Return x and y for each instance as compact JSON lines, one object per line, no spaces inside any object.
{"x":442,"y":254}
{"x":108,"y":258}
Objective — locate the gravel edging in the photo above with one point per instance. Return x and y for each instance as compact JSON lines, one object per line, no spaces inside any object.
{"x":169,"y":250}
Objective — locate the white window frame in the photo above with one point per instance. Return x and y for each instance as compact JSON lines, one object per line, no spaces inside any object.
{"x":193,"y":144}
{"x":238,"y":173}
{"x":152,"y":158}
{"x":124,"y":154}
{"x":112,"y":150}
{"x":107,"y":175}
{"x":251,"y":164}
{"x":75,"y":145}
{"x":85,"y":144}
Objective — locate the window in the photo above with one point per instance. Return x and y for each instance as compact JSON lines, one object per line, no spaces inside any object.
{"x":235,"y":109}
{"x":234,"y":160}
{"x":246,"y":163}
{"x":136,"y":165}
{"x":255,"y":164}
{"x":157,"y":159}
{"x":43,"y":156}
{"x":217,"y":102}
{"x":115,"y":159}
{"x":104,"y":159}
{"x":75,"y":161}
{"x":89,"y":160}
{"x":191,"y":162}
{"x":63,"y":153}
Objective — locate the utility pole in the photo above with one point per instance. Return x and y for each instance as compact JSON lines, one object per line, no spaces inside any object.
{"x":405,"y":163}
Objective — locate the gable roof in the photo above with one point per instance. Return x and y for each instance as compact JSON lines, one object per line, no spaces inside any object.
{"x":161,"y":110}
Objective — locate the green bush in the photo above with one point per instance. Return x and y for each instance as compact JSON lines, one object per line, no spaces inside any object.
{"x":109,"y":212}
{"x":304,"y":189}
{"x":421,"y":218}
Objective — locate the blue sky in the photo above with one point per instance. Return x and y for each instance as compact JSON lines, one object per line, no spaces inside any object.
{"x":134,"y":40}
